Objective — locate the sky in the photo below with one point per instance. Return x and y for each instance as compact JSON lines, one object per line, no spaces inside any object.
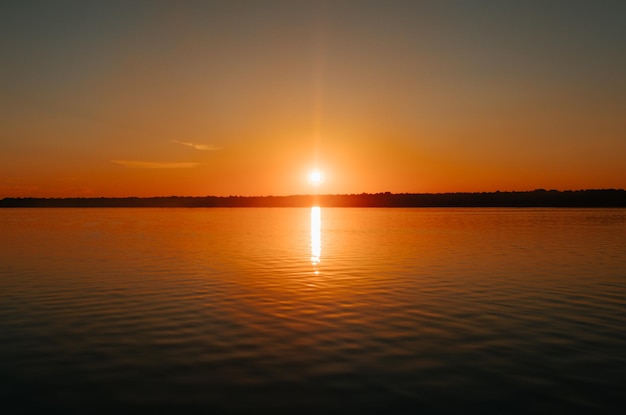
{"x":194,"y":98}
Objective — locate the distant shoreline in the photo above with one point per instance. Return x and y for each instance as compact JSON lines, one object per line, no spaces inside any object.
{"x":535,"y":198}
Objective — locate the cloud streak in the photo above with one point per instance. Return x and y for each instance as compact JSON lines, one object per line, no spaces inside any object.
{"x":204,"y":147}
{"x":156,"y":164}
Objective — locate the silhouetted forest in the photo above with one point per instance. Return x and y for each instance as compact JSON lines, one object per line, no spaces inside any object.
{"x":536,"y":198}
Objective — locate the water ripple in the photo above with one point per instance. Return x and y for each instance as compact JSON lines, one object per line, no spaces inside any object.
{"x":222,"y":310}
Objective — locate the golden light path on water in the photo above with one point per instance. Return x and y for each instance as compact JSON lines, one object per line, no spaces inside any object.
{"x":316,"y":235}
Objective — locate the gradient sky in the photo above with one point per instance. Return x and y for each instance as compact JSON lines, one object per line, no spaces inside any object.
{"x":154,"y":98}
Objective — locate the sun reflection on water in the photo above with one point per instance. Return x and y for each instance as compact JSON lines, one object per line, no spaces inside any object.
{"x":316,"y":235}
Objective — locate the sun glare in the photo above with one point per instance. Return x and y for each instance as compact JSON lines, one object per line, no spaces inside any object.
{"x":315,"y":177}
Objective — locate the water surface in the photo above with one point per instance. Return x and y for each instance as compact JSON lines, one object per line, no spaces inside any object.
{"x":313,"y":310}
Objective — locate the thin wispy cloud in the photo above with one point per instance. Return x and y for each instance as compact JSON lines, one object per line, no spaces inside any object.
{"x":204,"y":147}
{"x":156,"y":164}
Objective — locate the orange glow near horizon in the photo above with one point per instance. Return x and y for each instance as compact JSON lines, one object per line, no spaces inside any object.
{"x":192,"y":100}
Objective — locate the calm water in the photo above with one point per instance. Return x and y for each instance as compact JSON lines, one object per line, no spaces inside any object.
{"x":309,"y":311}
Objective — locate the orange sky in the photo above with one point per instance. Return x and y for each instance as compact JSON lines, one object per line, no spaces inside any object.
{"x":244,"y":98}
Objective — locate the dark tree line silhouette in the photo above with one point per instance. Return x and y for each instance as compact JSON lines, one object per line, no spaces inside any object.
{"x":536,"y":198}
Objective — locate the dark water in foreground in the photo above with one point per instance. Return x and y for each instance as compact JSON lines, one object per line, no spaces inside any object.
{"x":301,"y":311}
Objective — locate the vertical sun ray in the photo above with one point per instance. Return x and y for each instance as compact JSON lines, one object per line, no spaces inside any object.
{"x":319,"y":68}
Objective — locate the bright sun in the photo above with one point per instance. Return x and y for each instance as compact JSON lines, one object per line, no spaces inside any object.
{"x":315,"y":177}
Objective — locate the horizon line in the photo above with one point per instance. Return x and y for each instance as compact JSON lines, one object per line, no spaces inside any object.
{"x":318,"y":194}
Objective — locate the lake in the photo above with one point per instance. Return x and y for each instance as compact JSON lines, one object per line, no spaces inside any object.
{"x":308,"y":310}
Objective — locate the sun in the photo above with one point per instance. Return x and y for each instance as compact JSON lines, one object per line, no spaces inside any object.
{"x":315,"y":177}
